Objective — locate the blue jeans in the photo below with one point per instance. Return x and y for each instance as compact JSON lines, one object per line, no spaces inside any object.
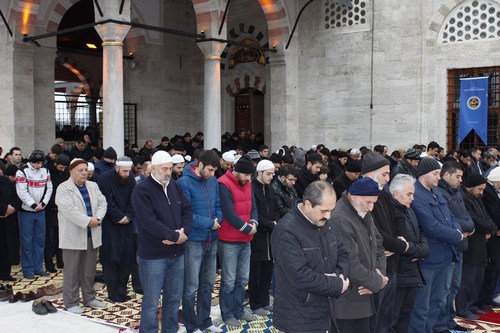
{"x":167,"y":274}
{"x":235,"y":269}
{"x":431,"y":299}
{"x":456,"y":279}
{"x":32,"y":234}
{"x":200,"y":261}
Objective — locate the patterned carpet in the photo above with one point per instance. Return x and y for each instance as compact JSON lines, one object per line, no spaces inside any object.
{"x":127,"y":314}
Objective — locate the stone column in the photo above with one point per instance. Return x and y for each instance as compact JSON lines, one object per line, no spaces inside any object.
{"x":212,"y":94}
{"x":112,"y":35}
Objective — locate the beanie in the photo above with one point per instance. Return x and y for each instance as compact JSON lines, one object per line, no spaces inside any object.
{"x":265,"y":165}
{"x":11,"y":170}
{"x":62,"y":160}
{"x":110,"y":153}
{"x":426,"y":165}
{"x":474,"y":180}
{"x":161,"y":157}
{"x":299,"y":158}
{"x":373,"y":161}
{"x":37,"y":156}
{"x":90,"y":166}
{"x":494,"y":175}
{"x":254,"y":154}
{"x":244,"y":165}
{"x":354,"y":166}
{"x":364,"y":187}
{"x":412,"y":154}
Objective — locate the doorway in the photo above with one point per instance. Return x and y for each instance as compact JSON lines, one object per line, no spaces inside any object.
{"x":249,"y":110}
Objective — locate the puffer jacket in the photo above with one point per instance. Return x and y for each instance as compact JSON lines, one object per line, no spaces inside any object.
{"x":204,"y":198}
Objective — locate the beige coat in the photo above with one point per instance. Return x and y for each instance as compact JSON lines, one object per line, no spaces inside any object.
{"x":72,"y":215}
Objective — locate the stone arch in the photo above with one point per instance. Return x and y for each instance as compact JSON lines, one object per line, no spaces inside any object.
{"x":79,"y":72}
{"x":243,"y":32}
{"x":277,"y":20}
{"x":22,"y":15}
{"x":245,"y":82}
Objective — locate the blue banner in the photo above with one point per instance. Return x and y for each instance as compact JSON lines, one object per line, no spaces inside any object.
{"x":473,"y":108}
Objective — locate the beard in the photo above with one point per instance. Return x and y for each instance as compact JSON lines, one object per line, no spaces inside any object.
{"x":121,"y":180}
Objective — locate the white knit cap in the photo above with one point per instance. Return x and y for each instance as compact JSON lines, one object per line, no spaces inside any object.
{"x":124,"y":161}
{"x":161,"y":157}
{"x":177,"y":158}
{"x":228,"y":157}
{"x":188,"y":158}
{"x":265,"y":165}
{"x":494,"y":175}
{"x":90,"y":166}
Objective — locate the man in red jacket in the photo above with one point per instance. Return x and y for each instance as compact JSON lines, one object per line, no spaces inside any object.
{"x":236,"y":231}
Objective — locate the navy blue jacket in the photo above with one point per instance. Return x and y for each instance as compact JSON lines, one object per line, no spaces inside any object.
{"x":158,"y":215}
{"x":204,"y":198}
{"x":441,"y":228}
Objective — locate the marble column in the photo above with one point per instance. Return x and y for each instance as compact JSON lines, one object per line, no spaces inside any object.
{"x":212,"y":128}
{"x":113,"y":35}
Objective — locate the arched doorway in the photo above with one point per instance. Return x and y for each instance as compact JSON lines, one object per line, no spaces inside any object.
{"x":249,"y":110}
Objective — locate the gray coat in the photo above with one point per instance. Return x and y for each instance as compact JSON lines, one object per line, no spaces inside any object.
{"x":366,"y":253}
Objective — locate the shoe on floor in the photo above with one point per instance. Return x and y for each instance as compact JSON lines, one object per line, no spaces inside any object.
{"x":198,"y":331}
{"x":95,"y":304}
{"x":269,"y":308}
{"x":486,"y":307}
{"x":42,"y":274}
{"x":469,"y":316}
{"x":49,"y":306}
{"x":496,"y":299}
{"x":75,"y":309}
{"x":29,"y":276}
{"x":247,"y":317}
{"x":139,"y":291}
{"x":8,"y":278}
{"x":52,"y":270}
{"x":38,"y":308}
{"x":214,"y":329}
{"x":477,"y":311}
{"x":233,"y":322}
{"x":260,"y":312}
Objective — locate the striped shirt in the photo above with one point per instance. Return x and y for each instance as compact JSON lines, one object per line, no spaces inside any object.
{"x":88,"y":205}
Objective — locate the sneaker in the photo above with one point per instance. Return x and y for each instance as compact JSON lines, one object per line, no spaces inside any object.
{"x":247,"y":317}
{"x":260,"y":312}
{"x":95,"y":304}
{"x":43,"y":274}
{"x":214,"y":329}
{"x":233,"y":322}
{"x":75,"y":309}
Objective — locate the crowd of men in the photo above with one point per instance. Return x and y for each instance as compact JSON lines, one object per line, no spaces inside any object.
{"x":347,"y":241}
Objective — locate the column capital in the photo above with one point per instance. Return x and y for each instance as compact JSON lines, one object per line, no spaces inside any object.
{"x":112,"y":34}
{"x":211,"y":49}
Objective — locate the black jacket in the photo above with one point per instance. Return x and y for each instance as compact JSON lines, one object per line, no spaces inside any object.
{"x":285,"y":198}
{"x":409,"y":274}
{"x":492,"y":203}
{"x":303,"y":253}
{"x":404,"y":167}
{"x":305,"y":178}
{"x":267,"y":214}
{"x":9,"y":239}
{"x":341,"y":184}
{"x":477,"y":254}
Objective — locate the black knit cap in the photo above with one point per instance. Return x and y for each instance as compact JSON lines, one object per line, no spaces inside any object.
{"x":244,"y":165}
{"x":354,"y":166}
{"x":474,"y":180}
{"x":62,"y":160}
{"x":110,"y":153}
{"x":426,"y":165}
{"x":37,"y":156}
{"x":373,"y":161}
{"x":11,"y":170}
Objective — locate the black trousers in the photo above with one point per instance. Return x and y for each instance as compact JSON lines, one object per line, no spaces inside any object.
{"x":468,"y":293}
{"x":4,"y":271}
{"x":489,"y":283}
{"x":52,"y":247}
{"x":116,"y":279}
{"x":259,"y":282}
{"x":360,"y":325}
{"x":134,"y":268}
{"x":384,"y":305}
{"x":403,"y":306}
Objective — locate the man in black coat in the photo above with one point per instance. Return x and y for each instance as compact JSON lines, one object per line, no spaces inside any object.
{"x":410,"y":278}
{"x":311,"y":264}
{"x":58,"y":175}
{"x":261,"y":261}
{"x":342,"y":183}
{"x":285,"y":194}
{"x":475,"y":257}
{"x":308,"y":173}
{"x":117,"y":251}
{"x":9,"y":238}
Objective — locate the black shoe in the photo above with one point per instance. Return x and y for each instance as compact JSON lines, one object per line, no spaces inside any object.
{"x":460,"y":328}
{"x":52,"y":270}
{"x":39,"y":309}
{"x":8,"y":278}
{"x":42,"y":274}
{"x":49,"y":306}
{"x":139,"y":291}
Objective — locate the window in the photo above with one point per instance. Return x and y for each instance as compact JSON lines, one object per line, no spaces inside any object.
{"x":337,"y":15}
